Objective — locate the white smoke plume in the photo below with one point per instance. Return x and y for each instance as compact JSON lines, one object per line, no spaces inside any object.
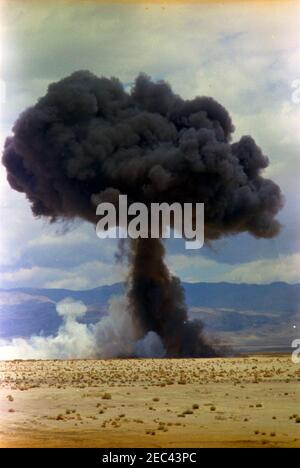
{"x":111,"y":337}
{"x":150,"y":346}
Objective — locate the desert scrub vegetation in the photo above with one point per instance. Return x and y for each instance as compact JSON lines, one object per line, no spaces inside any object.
{"x":143,"y":389}
{"x":82,"y":374}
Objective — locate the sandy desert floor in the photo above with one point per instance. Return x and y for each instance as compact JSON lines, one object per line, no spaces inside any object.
{"x":233,"y":402}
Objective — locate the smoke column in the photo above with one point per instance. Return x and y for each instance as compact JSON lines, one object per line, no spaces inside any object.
{"x":157,"y":301}
{"x":88,"y":140}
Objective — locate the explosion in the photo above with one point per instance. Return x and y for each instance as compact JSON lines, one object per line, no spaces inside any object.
{"x":89,"y":140}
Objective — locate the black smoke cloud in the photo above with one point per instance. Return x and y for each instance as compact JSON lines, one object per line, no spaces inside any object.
{"x":88,"y":140}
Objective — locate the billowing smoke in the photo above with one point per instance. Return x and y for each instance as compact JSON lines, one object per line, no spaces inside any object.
{"x":156,"y":300}
{"x":89,"y":140}
{"x":73,"y":339}
{"x":113,"y":336}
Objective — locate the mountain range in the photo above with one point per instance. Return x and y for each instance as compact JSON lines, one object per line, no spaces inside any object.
{"x":246,"y":316}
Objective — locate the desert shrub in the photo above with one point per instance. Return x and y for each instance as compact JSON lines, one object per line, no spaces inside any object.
{"x":188,"y":411}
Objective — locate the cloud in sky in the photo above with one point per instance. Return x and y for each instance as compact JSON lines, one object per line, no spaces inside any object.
{"x":245,"y":56}
{"x":195,"y":269}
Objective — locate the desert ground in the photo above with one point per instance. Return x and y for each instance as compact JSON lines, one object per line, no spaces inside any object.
{"x":225,"y":402}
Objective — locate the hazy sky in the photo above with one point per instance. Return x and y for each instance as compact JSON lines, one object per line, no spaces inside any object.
{"x":244,"y":54}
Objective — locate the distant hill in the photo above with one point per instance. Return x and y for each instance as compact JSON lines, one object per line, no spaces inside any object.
{"x":275,"y":297}
{"x":243,"y":314}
